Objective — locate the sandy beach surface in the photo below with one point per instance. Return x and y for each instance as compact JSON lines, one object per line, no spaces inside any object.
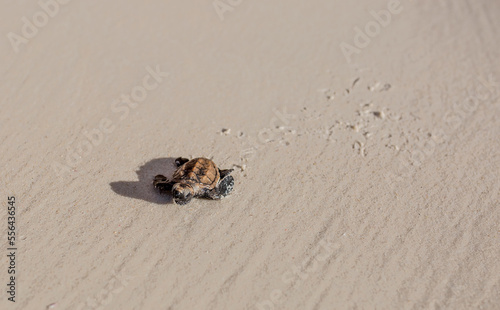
{"x":365,"y":138}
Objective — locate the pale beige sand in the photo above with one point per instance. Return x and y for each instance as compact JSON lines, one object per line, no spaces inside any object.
{"x":369,"y":184}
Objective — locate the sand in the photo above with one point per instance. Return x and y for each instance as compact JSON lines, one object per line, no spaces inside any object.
{"x":365,"y":138}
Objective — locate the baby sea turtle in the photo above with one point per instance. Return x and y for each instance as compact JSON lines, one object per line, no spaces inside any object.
{"x":197,"y":177}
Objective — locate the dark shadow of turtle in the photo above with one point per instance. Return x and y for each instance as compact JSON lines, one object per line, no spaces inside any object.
{"x":144,"y":189}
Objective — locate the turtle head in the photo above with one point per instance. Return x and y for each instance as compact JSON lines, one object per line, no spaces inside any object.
{"x":183,"y":193}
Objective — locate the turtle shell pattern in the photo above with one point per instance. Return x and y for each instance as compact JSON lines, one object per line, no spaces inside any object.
{"x":198,"y":172}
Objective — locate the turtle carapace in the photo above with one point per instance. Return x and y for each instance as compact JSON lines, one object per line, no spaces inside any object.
{"x":197,"y":177}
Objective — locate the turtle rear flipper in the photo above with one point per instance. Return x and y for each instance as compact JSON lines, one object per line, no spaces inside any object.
{"x":223,"y":189}
{"x":225,"y":172}
{"x":226,"y":185}
{"x":163,"y":184}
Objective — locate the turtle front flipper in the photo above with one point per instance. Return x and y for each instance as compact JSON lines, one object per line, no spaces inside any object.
{"x":181,"y":161}
{"x":163,"y":184}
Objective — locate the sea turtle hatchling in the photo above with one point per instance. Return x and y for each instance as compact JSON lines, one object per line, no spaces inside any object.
{"x":197,"y":177}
